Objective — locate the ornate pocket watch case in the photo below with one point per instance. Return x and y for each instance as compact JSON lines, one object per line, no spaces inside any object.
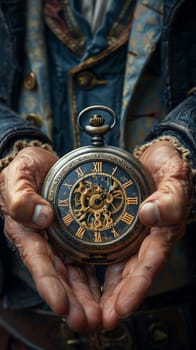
{"x":95,"y":192}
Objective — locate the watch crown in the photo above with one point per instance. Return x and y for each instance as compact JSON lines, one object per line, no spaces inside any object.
{"x":96,"y":120}
{"x":96,"y":126}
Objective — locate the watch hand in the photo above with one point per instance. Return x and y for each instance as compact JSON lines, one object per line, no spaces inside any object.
{"x":103,"y":196}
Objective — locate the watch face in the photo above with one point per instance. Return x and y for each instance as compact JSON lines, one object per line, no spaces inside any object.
{"x":97,"y":202}
{"x":96,"y":196}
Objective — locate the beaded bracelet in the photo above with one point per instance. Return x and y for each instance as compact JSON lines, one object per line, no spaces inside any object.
{"x":18,"y":146}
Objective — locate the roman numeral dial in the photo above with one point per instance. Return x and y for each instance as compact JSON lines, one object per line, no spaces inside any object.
{"x":98,"y":202}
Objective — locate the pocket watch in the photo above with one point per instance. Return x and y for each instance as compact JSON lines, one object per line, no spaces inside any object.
{"x":95,"y":192}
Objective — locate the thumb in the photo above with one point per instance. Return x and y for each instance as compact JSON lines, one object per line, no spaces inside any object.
{"x":149,"y":213}
{"x":170,"y":204}
{"x":42,"y":216}
{"x":21,"y":184}
{"x":166,"y":206}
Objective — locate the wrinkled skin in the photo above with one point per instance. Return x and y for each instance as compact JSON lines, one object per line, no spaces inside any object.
{"x":71,"y":289}
{"x":127,"y":283}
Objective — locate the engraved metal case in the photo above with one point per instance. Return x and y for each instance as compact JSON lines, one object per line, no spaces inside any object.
{"x":95,"y":192}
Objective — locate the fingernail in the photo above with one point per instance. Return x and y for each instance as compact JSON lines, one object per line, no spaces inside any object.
{"x":150,"y":213}
{"x":41,"y":215}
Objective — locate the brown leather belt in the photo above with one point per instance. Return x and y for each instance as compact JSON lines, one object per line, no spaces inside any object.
{"x":163,"y":328}
{"x":36,"y":330}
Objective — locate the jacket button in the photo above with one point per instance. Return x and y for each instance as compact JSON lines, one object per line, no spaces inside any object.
{"x":30,"y":81}
{"x":35,"y":119}
{"x":87,"y":80}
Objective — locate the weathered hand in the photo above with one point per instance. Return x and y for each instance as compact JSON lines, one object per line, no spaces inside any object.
{"x":165,"y":211}
{"x":67,"y":288}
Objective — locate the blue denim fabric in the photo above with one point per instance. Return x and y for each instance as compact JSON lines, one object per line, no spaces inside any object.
{"x":12,"y":30}
{"x":11,"y":37}
{"x":13,"y":128}
{"x":61,"y":61}
{"x":176,"y":122}
{"x":179,"y":72}
{"x":178,"y":50}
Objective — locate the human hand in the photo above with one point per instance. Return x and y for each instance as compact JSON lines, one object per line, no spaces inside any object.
{"x":165,"y":211}
{"x":67,"y":288}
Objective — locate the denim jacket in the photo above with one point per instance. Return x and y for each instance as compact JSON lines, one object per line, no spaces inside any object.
{"x":178,"y":59}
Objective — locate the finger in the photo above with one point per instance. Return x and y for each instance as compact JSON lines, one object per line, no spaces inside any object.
{"x":92,"y":282}
{"x":137,"y":280}
{"x":48,"y":273}
{"x":24,"y":177}
{"x":113,"y":276}
{"x":86,"y":293}
{"x":137,"y":276}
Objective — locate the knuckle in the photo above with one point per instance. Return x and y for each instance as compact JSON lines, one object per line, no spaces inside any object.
{"x":19,"y":206}
{"x":14,"y":208}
